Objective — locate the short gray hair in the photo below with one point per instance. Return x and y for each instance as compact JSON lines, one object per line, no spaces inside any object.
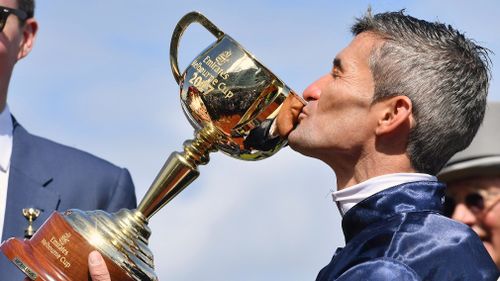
{"x":445,"y":75}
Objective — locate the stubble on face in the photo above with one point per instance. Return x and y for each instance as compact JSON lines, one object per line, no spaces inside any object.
{"x":336,"y":120}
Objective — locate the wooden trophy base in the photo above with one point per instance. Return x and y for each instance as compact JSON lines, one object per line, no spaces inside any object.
{"x":56,"y":252}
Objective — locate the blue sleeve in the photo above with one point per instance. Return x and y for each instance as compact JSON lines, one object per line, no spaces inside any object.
{"x":123,"y":195}
{"x":380,"y":270}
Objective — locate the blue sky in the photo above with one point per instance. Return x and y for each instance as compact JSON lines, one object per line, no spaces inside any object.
{"x":99,"y":79}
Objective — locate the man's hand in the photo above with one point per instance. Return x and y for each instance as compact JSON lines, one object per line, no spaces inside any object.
{"x":97,"y":267}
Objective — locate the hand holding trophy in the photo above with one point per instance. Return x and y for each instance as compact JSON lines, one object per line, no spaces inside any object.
{"x":231,"y":100}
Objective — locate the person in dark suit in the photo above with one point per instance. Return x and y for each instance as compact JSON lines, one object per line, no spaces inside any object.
{"x":38,"y":173}
{"x":472,"y":177}
{"x":401,"y":99}
{"x":49,"y":176}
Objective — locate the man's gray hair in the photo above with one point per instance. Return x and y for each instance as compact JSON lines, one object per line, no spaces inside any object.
{"x":445,"y":75}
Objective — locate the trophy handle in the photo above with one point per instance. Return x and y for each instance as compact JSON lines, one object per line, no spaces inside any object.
{"x":181,"y":26}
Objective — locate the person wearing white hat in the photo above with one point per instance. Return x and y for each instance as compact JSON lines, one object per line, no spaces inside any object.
{"x":473,"y":180}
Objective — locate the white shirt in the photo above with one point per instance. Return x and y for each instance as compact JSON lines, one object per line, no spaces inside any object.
{"x":350,"y":196}
{"x":6,"y":129}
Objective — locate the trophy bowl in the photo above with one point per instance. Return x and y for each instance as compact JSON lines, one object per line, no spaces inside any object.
{"x":227,"y":88}
{"x":232,"y":102}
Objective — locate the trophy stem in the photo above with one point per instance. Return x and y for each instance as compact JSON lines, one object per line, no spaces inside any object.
{"x":178,"y":172}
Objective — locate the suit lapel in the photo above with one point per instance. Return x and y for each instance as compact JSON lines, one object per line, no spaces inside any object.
{"x":29,"y":183}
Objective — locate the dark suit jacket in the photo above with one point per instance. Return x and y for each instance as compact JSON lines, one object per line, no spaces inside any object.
{"x":50,"y":176}
{"x":399,"y":234}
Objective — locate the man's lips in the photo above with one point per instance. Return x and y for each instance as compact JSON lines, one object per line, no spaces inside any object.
{"x":303,"y":114}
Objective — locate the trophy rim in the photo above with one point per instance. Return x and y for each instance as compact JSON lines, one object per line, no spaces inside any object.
{"x":251,"y":55}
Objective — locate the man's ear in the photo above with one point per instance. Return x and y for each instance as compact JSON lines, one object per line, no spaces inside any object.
{"x":29,"y":33}
{"x":395,"y":111}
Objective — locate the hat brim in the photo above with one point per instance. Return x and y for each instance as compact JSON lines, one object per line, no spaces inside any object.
{"x":484,"y":166}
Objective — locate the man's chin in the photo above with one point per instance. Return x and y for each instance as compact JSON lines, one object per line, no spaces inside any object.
{"x":294,"y":140}
{"x":299,"y":146}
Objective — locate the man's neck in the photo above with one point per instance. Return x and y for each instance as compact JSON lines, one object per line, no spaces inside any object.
{"x":369,"y":167}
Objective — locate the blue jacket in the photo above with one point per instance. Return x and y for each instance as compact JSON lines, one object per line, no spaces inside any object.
{"x":49,"y":176}
{"x":400,"y":234}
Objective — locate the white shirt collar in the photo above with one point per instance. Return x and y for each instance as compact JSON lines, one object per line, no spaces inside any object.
{"x":350,"y":196}
{"x":6,"y":129}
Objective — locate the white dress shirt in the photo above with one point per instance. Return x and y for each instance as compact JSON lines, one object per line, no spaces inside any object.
{"x":6,"y":129}
{"x":350,"y":196}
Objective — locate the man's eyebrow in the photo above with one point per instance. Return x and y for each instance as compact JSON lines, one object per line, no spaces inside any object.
{"x":337,"y":63}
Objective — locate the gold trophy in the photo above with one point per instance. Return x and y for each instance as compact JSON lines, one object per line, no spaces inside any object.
{"x":231,"y":100}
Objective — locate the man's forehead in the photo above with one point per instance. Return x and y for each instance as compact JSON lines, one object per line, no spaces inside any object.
{"x":8,"y":3}
{"x":365,"y":42}
{"x":360,"y":47}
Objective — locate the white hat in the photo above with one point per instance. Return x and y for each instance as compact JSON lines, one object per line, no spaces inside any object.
{"x":482,"y":157}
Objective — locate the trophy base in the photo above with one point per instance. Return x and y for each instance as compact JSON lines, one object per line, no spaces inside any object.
{"x":56,"y":252}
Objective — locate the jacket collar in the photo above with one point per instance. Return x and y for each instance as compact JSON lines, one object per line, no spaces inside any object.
{"x":26,"y":154}
{"x":6,"y":128}
{"x":403,"y":198}
{"x":29,"y":184}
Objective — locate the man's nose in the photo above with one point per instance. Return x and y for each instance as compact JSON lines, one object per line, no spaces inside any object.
{"x":463,"y":214}
{"x":313,"y":91}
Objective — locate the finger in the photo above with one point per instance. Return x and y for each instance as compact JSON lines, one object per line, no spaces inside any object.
{"x":97,"y":267}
